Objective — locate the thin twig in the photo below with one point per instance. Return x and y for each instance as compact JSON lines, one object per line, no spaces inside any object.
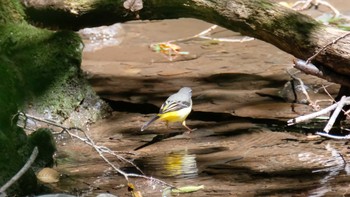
{"x":336,"y":137}
{"x":195,"y":36}
{"x":328,"y":94}
{"x":324,"y":47}
{"x":203,"y":33}
{"x":23,"y":170}
{"x":311,"y":116}
{"x":336,"y":12}
{"x":333,"y":100}
{"x":309,"y":4}
{"x":244,"y":39}
{"x":100,"y":150}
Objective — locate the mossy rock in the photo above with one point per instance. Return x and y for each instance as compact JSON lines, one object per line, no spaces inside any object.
{"x":40,"y":71}
{"x":12,"y":161}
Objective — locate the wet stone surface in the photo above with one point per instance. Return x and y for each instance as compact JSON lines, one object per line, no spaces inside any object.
{"x":242,"y":146}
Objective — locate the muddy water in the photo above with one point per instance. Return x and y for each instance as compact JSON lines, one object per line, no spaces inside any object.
{"x":241,"y":145}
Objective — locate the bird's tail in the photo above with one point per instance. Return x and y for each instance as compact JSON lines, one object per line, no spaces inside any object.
{"x":149,"y":122}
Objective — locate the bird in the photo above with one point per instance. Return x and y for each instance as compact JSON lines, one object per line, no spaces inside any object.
{"x":175,"y":109}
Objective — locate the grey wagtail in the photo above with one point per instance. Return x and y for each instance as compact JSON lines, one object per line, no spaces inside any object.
{"x":175,"y":109}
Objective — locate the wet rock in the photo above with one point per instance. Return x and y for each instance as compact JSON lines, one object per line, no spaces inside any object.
{"x":293,"y":91}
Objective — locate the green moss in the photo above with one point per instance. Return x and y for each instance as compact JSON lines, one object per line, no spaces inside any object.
{"x":11,"y":11}
{"x":47,"y":64}
{"x":41,"y":69}
{"x":43,"y":139}
{"x":10,"y":163}
{"x":9,"y":96}
{"x":266,"y":5}
{"x":35,"y":64}
{"x":42,"y":55}
{"x":303,"y":27}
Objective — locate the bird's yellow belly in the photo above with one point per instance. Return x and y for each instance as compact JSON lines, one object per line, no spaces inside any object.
{"x":177,"y":116}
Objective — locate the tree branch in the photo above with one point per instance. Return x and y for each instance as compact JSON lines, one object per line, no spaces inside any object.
{"x":23,"y":170}
{"x":289,"y":30}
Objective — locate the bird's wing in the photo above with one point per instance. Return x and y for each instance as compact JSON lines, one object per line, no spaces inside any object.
{"x":170,"y":106}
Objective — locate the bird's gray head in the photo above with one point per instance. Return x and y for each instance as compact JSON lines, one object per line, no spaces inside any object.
{"x":186,"y":90}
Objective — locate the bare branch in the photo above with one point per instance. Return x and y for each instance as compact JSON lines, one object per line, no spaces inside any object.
{"x":347,"y":137}
{"x":335,"y":114}
{"x":23,"y":170}
{"x":204,"y":33}
{"x":101,"y":150}
{"x":318,"y":113}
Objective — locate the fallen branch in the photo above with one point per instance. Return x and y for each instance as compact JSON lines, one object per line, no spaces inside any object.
{"x":336,"y":137}
{"x":20,"y":173}
{"x":205,"y":32}
{"x":326,"y":110}
{"x":337,"y":107}
{"x":335,"y":114}
{"x":329,"y":75}
{"x":101,"y":150}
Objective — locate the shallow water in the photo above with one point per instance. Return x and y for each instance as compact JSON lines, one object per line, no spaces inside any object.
{"x":242,"y":146}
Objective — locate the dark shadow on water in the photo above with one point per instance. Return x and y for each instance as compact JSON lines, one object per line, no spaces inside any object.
{"x":122,"y":106}
{"x":272,"y":124}
{"x":234,"y":132}
{"x":245,"y":81}
{"x":146,"y":108}
{"x":159,"y":138}
{"x":203,"y":151}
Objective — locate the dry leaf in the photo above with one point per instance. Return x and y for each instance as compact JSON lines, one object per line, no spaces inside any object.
{"x":48,"y":175}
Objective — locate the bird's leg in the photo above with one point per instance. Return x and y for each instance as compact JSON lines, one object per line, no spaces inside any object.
{"x":167,"y":124}
{"x":188,"y":128}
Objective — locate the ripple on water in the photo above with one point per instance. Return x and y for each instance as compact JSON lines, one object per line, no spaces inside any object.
{"x":331,"y":164}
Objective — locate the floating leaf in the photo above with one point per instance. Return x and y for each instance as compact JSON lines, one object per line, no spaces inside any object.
{"x":187,"y":189}
{"x":170,"y":50}
{"x":133,"y":5}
